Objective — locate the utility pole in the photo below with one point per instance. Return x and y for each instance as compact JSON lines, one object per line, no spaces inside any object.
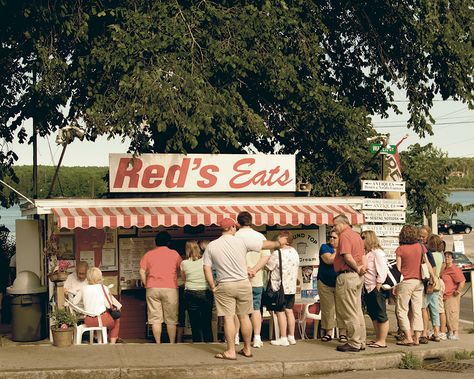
{"x":35,"y":145}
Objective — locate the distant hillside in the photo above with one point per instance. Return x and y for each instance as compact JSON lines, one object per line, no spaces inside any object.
{"x":85,"y":182}
{"x":464,"y":166}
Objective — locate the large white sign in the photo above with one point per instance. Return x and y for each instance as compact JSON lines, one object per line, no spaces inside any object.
{"x":384,"y":230}
{"x":306,"y":243}
{"x":390,"y":204}
{"x":397,"y":217}
{"x":382,"y":185}
{"x":202,"y":173}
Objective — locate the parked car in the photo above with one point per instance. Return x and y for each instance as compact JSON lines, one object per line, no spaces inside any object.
{"x":465,"y":264}
{"x":453,"y":226}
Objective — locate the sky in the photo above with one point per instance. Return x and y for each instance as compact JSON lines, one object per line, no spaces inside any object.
{"x":453,"y":133}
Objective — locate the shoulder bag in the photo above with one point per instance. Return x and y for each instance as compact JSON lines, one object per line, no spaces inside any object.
{"x":425,"y":273}
{"x":394,"y":276}
{"x":113,"y":310}
{"x":274,"y":300}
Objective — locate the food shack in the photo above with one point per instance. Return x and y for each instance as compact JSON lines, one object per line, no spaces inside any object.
{"x":187,"y":195}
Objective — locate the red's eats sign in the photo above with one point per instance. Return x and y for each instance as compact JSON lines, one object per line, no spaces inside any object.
{"x":202,"y":173}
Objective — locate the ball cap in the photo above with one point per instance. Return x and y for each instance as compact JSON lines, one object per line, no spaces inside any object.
{"x":227,"y":223}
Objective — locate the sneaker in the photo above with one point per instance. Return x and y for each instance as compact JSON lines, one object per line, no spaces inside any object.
{"x":453,"y":337}
{"x":291,"y":340}
{"x":280,"y":342}
{"x":442,"y":336}
{"x":257,"y":343}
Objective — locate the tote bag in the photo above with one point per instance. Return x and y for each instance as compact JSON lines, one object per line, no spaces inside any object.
{"x":274,"y":300}
{"x":394,"y":276}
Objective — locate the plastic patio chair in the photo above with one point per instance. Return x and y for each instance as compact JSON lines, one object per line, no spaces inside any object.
{"x":80,"y":329}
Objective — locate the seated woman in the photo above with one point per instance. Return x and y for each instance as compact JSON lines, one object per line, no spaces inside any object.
{"x":93,"y":296}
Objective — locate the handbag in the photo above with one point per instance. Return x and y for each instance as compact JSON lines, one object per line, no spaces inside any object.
{"x":274,"y":300}
{"x":433,"y":285}
{"x":425,"y":273}
{"x":394,"y":276}
{"x":113,"y":310}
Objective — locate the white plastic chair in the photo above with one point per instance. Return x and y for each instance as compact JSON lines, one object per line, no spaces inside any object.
{"x":80,"y":329}
{"x":313,"y":316}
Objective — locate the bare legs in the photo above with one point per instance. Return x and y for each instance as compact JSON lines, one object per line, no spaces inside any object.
{"x":229,"y":332}
{"x":156,"y":329}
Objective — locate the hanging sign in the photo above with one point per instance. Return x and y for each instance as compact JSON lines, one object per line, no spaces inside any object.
{"x":385,"y":216}
{"x":390,"y":204}
{"x":384,"y":230}
{"x":383,"y":185}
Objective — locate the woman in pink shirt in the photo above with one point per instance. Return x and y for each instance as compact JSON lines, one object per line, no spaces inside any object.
{"x":374,"y":297}
{"x":410,"y":255}
{"x":454,"y":282}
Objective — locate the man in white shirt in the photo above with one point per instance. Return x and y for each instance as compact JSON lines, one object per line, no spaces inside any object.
{"x":76,"y":281}
{"x":253,"y":258}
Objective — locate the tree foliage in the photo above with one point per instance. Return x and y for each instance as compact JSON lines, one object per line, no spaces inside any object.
{"x":230,"y":76}
{"x":425,"y":170}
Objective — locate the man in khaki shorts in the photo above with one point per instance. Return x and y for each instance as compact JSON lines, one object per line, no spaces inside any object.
{"x":233,"y":292}
{"x":159,"y":270}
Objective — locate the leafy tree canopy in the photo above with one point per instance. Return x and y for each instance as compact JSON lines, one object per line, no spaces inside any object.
{"x":425,"y":170}
{"x":230,"y":76}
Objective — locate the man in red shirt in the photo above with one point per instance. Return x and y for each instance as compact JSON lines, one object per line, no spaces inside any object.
{"x":159,"y":270}
{"x":350,"y":268}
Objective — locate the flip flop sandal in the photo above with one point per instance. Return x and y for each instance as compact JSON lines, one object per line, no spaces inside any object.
{"x":242,"y":353}
{"x":343,"y":338}
{"x":405,"y":343}
{"x":223,"y":356}
{"x":376,"y":346}
{"x":435,"y":339}
{"x":326,"y":338}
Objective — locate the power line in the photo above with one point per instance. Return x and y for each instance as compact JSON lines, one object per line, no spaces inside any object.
{"x":437,"y":124}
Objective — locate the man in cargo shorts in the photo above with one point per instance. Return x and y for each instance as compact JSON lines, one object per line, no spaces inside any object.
{"x":233,"y":292}
{"x":159,"y":269}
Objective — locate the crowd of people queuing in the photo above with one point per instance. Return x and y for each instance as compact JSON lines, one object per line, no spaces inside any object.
{"x":353,"y":268}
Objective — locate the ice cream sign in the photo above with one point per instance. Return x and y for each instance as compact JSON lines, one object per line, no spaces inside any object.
{"x":306,"y":243}
{"x":202,"y":173}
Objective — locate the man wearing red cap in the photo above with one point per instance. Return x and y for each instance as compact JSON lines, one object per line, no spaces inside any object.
{"x":233,"y":291}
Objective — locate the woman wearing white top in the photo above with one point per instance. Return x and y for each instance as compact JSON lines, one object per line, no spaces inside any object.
{"x":377,"y":270}
{"x":197,"y":296}
{"x":290,"y":262}
{"x":95,"y":302}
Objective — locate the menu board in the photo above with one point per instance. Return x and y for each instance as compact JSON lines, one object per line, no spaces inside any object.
{"x":132,"y":250}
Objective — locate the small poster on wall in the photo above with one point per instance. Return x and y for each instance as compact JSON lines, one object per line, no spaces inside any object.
{"x":87,"y":256}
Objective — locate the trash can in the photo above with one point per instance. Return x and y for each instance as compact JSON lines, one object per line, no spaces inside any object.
{"x":29,"y":302}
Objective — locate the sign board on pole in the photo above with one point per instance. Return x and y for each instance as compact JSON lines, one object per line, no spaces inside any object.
{"x":397,"y":217}
{"x":390,"y":149}
{"x":391,"y":204}
{"x":384,"y":230}
{"x":458,"y":244}
{"x":382,"y":185}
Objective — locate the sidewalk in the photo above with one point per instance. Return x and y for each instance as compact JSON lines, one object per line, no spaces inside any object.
{"x":187,"y":360}
{"x":197,"y":360}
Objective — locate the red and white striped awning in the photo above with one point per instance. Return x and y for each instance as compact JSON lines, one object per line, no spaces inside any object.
{"x":114,"y":217}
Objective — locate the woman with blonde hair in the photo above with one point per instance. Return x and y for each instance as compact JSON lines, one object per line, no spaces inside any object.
{"x":97,"y":299}
{"x":290,"y":262}
{"x":431,"y":301}
{"x":375,"y":299}
{"x":197,"y":295}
